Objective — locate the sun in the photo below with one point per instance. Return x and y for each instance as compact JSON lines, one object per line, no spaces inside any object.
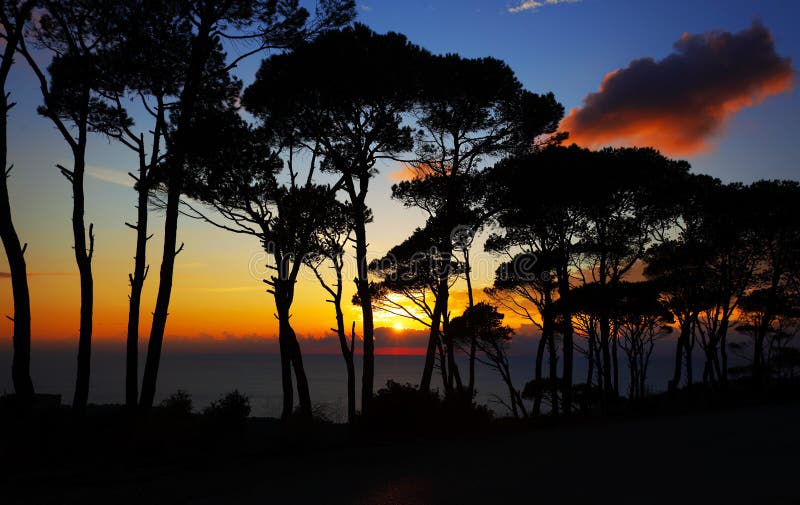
{"x":397,"y":326}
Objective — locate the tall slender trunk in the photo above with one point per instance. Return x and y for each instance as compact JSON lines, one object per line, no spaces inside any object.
{"x":566,"y":315}
{"x":434,"y":337}
{"x":140,"y":267}
{"x":365,"y":297}
{"x":201,"y":47}
{"x":21,"y":361}
{"x":537,"y":373}
{"x":473,"y":341}
{"x":615,"y":362}
{"x":553,"y":362}
{"x":137,"y":284}
{"x":83,"y":257}
{"x":158,"y":327}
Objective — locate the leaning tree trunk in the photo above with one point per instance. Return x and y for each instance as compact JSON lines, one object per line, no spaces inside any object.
{"x":162,"y":299}
{"x":201,"y":47}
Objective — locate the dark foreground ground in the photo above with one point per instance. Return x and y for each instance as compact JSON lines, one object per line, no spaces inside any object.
{"x":747,"y":456}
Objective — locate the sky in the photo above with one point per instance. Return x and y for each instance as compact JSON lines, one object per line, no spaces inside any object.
{"x":618,"y":66}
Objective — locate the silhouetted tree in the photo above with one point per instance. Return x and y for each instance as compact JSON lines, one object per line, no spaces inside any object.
{"x":641,"y":319}
{"x":631,"y":202}
{"x":728,"y":228}
{"x":235,"y":171}
{"x":469,"y":110}
{"x":493,"y":339}
{"x":527,"y":283}
{"x":143,"y":68}
{"x":346,"y":91}
{"x":414,"y":270}
{"x":13,"y":18}
{"x":267,"y":23}
{"x":79,"y":34}
{"x":328,"y":250}
{"x":547,"y":224}
{"x":771,"y":303}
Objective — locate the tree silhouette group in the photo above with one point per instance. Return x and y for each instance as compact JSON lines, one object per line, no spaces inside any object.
{"x":604,"y":252}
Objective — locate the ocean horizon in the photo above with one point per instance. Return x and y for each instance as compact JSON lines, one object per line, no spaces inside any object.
{"x":208,"y":376}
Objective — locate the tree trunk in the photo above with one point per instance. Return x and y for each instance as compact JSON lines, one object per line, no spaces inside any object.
{"x":162,"y":299}
{"x":201,"y":46}
{"x":83,"y":257}
{"x":566,"y":314}
{"x":473,"y":341}
{"x":677,"y":369}
{"x":137,"y":284}
{"x":537,"y":377}
{"x":21,"y":361}
{"x":365,"y":296}
{"x":553,"y":374}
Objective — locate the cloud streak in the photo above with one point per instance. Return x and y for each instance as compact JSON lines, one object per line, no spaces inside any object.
{"x":681,"y":104}
{"x":532,"y":5}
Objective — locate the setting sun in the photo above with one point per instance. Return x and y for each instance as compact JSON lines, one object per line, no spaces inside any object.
{"x":397,"y":326}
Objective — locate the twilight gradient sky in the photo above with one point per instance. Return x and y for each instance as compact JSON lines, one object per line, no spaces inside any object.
{"x":567,"y":47}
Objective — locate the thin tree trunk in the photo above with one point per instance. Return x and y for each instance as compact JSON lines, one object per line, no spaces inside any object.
{"x":553,"y":374}
{"x":21,"y":361}
{"x":201,"y":47}
{"x":566,"y":314}
{"x":365,"y":297}
{"x":140,"y":267}
{"x":537,"y":377}
{"x":137,"y":284}
{"x":83,"y":258}
{"x":473,"y":341}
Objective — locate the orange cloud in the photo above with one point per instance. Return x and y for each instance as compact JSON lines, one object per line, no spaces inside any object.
{"x":407,"y":172}
{"x":682,"y":103}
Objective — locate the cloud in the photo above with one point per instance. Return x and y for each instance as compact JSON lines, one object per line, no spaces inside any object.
{"x":110,"y":175}
{"x":682,"y":103}
{"x":532,"y":5}
{"x":364,"y":7}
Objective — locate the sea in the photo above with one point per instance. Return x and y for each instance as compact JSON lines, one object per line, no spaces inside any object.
{"x":207,"y":377}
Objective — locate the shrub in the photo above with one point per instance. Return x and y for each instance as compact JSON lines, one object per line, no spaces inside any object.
{"x":404,"y":408}
{"x":178,"y":404}
{"x":233,"y":407}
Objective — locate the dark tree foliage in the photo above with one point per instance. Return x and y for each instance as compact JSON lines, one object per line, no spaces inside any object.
{"x":345,"y":93}
{"x":145,"y":68}
{"x":268,"y":23}
{"x":493,"y":338}
{"x":468,"y":111}
{"x":235,"y":170}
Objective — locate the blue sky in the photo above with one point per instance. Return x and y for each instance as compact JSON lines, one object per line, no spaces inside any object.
{"x":566,"y":48}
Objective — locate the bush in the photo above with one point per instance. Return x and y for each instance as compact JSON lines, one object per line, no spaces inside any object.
{"x":404,"y":408}
{"x":179,"y":404}
{"x":233,"y":407}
